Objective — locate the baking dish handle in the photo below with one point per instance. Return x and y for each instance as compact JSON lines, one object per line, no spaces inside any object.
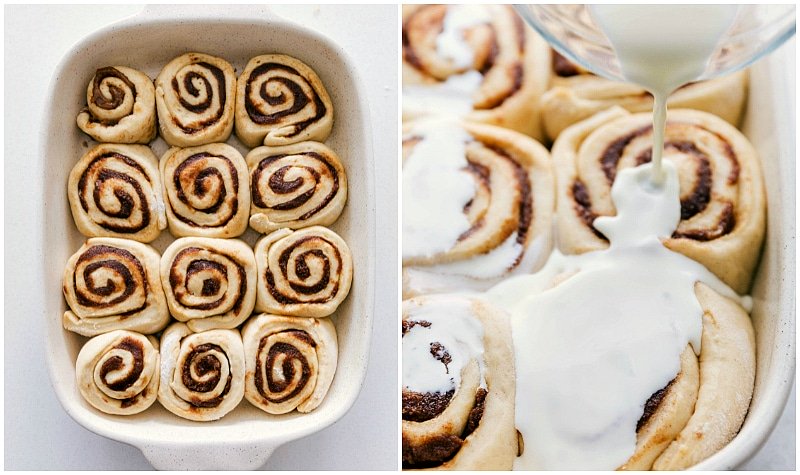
{"x":199,"y":456}
{"x":185,"y":11}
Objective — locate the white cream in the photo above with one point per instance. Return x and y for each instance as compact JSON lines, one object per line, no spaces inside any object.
{"x":451,"y":42}
{"x":453,"y":96}
{"x":436,"y":187}
{"x":453,"y":325}
{"x":662,"y":47}
{"x":480,"y":272}
{"x":591,"y":350}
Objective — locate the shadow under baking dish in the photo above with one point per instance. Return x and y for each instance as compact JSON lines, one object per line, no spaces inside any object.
{"x":246,"y":437}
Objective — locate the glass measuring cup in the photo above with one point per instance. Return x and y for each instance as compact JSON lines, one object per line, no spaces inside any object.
{"x":570,"y":29}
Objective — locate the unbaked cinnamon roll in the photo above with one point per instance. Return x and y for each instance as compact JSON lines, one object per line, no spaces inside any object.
{"x":280,"y":101}
{"x":480,"y":62}
{"x":206,"y":191}
{"x":209,"y":283}
{"x":290,"y":362}
{"x":702,"y":409}
{"x":576,"y":94}
{"x":305,"y":273}
{"x":295,"y":186}
{"x":195,"y":96}
{"x":115,"y":191}
{"x":477,"y":206}
{"x":121,"y":106}
{"x":202,"y":373}
{"x":458,"y":385}
{"x":118,"y":372}
{"x":113,"y":284}
{"x":722,"y":194}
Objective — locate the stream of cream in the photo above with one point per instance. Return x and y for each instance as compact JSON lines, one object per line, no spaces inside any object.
{"x":661,"y":48}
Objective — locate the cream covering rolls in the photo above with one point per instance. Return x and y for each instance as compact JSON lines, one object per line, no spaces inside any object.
{"x":115,"y":191}
{"x":206,"y":191}
{"x":280,"y":101}
{"x":480,"y":62}
{"x":458,"y":385}
{"x":304,"y":273}
{"x":195,"y":95}
{"x":702,"y":409}
{"x":202,"y":374}
{"x":295,"y":186}
{"x":113,"y":284}
{"x":209,"y":283}
{"x":118,"y":372}
{"x":290,"y":362}
{"x":477,"y":205}
{"x":575,"y":94}
{"x":722,"y":193}
{"x":121,"y":106}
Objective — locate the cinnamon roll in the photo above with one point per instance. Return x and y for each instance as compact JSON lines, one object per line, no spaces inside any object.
{"x":722,"y":194}
{"x":202,"y":374}
{"x":458,"y":385}
{"x":115,"y":191}
{"x":480,"y":62}
{"x":576,"y":94}
{"x":290,"y":362}
{"x":477,"y":206}
{"x":280,"y":101}
{"x":702,"y":409}
{"x":209,"y":283}
{"x":195,"y":96}
{"x":118,"y":372}
{"x":121,"y":106}
{"x":206,"y":191}
{"x":295,"y":186}
{"x":113,"y":284}
{"x":304,"y":273}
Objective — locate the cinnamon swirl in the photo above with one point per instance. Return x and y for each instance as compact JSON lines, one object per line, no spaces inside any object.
{"x":295,"y":186}
{"x":209,"y":283}
{"x":202,"y":374}
{"x":722,"y":195}
{"x":195,"y":96}
{"x":290,"y":362}
{"x":304,"y":273}
{"x":115,"y":191}
{"x":575,"y":94}
{"x":458,"y":385}
{"x":121,"y":106}
{"x":477,"y":206}
{"x":113,"y":284}
{"x":479,"y":61}
{"x":280,"y":101}
{"x":118,"y":372}
{"x":206,"y":191}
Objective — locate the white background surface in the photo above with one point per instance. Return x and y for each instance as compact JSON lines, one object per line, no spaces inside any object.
{"x":38,"y":433}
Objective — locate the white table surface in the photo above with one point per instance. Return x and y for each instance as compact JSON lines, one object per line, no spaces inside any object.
{"x":36,"y":37}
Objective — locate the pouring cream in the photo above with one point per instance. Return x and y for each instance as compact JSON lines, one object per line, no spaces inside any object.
{"x":661,"y":48}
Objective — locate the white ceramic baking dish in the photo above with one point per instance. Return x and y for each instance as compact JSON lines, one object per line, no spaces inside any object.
{"x":245,"y":438}
{"x":770,"y":125}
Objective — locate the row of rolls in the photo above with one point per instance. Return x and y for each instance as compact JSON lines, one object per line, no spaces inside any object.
{"x":278,"y":363}
{"x":211,"y":320}
{"x":543,"y":143}
{"x":125,"y":191}
{"x":524,"y":85}
{"x":197,"y":99}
